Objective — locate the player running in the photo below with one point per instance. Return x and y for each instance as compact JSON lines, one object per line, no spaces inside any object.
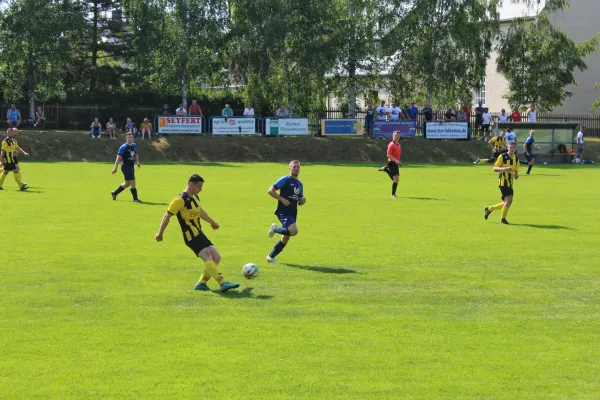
{"x":528,"y":147}
{"x":127,"y":156}
{"x":498,"y":146}
{"x":507,"y":165}
{"x":394,"y":151}
{"x":8,"y":158}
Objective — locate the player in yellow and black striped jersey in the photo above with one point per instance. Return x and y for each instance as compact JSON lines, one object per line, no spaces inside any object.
{"x":9,"y":160}
{"x":189,"y":212}
{"x":507,"y":166}
{"x":498,"y":147}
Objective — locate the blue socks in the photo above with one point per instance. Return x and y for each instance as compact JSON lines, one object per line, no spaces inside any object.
{"x":279,"y":246}
{"x":282,"y":231}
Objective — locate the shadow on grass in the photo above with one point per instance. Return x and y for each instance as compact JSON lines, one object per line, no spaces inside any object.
{"x":31,"y":190}
{"x":421,"y":198}
{"x":545,"y":226}
{"x":150,"y":203}
{"x":325,"y":270}
{"x":243,"y":294}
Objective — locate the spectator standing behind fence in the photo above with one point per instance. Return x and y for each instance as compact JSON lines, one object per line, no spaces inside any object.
{"x":428,"y":112}
{"x":111,"y":129}
{"x":146,"y":128}
{"x":479,"y":116}
{"x":130,"y":127}
{"x":165,"y":110}
{"x":467,"y":110}
{"x":282,"y":113}
{"x":370,"y":120}
{"x":13,"y":117}
{"x":195,"y":109}
{"x":516,"y":115}
{"x":39,"y":119}
{"x":412,"y":111}
{"x":382,"y":112}
{"x":579,"y":153}
{"x":449,"y":116}
{"x":503,"y":117}
{"x":396,"y":113}
{"x":532,"y":114}
{"x":486,"y":122}
{"x":96,"y":129}
{"x":249,"y":111}
{"x":227,"y":112}
{"x":181,"y":111}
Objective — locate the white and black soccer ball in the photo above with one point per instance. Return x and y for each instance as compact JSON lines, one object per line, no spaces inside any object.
{"x":250,"y":271}
{"x":577,"y":160}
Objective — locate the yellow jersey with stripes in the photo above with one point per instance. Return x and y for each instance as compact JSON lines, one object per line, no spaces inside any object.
{"x":187,"y":209}
{"x":499,"y":142}
{"x":10,"y":146}
{"x":505,"y":160}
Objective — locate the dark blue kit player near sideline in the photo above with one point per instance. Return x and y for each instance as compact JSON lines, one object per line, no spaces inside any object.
{"x":290,"y":196}
{"x":128,"y":157}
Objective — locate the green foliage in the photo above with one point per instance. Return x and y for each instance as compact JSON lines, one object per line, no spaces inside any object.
{"x":539,"y":61}
{"x":440,"y":47}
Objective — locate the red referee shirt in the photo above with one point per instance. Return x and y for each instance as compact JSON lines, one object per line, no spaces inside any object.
{"x":394,"y":150}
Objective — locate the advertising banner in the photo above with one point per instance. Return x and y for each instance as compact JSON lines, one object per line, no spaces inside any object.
{"x":408,"y":129}
{"x":342,"y":127}
{"x":233,"y":126}
{"x":180,"y":125}
{"x":286,"y":126}
{"x":447,"y":130}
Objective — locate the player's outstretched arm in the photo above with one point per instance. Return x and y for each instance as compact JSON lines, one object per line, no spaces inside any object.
{"x":205,"y":217}
{"x":163,"y":225}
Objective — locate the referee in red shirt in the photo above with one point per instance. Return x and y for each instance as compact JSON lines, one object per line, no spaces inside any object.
{"x":393,"y":156}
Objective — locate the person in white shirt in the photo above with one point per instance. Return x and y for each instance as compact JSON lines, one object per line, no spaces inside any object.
{"x":503,"y":117}
{"x":579,"y":153}
{"x":510,"y":136}
{"x":382,"y":112}
{"x":249,"y":111}
{"x":532,"y":114}
{"x":486,"y":121}
{"x":181,"y":111}
{"x":395,"y":113}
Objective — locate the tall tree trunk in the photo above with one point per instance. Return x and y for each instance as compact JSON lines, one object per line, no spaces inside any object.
{"x":31,"y":81}
{"x":288,"y":79}
{"x":184,"y":89}
{"x":93,"y":77}
{"x":351,"y":90}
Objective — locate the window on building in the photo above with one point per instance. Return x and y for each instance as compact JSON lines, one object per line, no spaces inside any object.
{"x":480,"y":93}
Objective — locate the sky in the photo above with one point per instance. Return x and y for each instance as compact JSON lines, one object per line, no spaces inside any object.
{"x":510,"y":10}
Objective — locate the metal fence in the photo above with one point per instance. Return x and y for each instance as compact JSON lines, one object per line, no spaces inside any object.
{"x":80,"y":116}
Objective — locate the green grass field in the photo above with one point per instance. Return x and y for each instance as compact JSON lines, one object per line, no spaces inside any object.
{"x":376,"y":298}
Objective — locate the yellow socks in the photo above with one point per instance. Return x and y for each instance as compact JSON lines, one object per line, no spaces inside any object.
{"x":18,"y":179}
{"x":496,"y":207}
{"x":211,"y":269}
{"x":2,"y":178}
{"x":504,"y":212}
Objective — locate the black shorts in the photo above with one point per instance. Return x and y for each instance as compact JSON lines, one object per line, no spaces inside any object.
{"x":11,"y":166}
{"x":393,"y":168}
{"x":199,"y":243}
{"x":128,"y":172}
{"x":506,"y":191}
{"x":485,"y":127}
{"x":529,"y":156}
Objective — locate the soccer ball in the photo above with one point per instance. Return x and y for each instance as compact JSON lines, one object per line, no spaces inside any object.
{"x":577,"y":161}
{"x":250,"y":271}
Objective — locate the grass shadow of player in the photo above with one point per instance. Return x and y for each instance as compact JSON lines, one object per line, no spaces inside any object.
{"x":421,"y":198}
{"x":325,"y":270}
{"x":32,"y":190}
{"x":539,"y":226}
{"x":150,"y":203}
{"x":246,"y":293}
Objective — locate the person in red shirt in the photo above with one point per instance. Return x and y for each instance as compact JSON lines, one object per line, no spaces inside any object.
{"x":195,"y":108}
{"x":394,"y":152}
{"x":516,"y":115}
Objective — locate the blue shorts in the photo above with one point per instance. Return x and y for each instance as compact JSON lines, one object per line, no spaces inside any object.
{"x":14,"y":123}
{"x":128,"y":172}
{"x":286,"y":220}
{"x":580,"y":149}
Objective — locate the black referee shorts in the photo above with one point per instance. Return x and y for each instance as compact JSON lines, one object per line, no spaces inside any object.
{"x":393,"y":168}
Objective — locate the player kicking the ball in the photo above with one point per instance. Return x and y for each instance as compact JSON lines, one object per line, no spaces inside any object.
{"x":290,"y":196}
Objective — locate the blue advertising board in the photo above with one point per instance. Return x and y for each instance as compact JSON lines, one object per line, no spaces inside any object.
{"x":408,"y":129}
{"x":342,"y":127}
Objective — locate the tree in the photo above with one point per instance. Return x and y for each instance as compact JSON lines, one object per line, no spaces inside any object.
{"x":539,"y":60}
{"x":440,"y":47}
{"x":31,"y":52}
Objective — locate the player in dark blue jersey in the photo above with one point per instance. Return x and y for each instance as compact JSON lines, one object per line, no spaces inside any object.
{"x":290,"y":196}
{"x":528,"y":146}
{"x":128,"y":157}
